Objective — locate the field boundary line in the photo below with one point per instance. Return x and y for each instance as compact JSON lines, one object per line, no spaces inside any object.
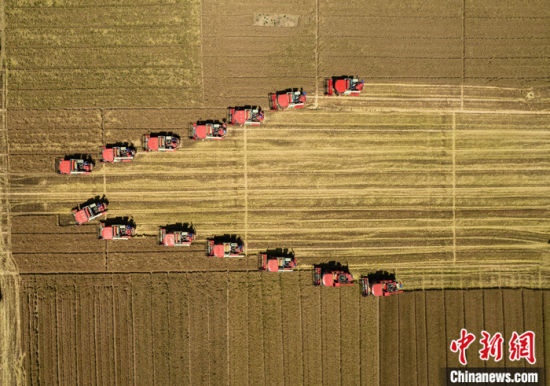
{"x":454,"y":186}
{"x":316,"y":104}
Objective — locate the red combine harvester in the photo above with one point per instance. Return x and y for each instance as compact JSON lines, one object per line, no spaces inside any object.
{"x":89,"y":212}
{"x":225,"y":248}
{"x":344,"y":85}
{"x":247,"y":115}
{"x":177,"y":238}
{"x":73,"y":166}
{"x":332,"y":277}
{"x":288,"y":99}
{"x":117,"y":154}
{"x":116,"y":232}
{"x":208,"y":130}
{"x":154,"y":142}
{"x":381,"y":287}
{"x":277,"y":263}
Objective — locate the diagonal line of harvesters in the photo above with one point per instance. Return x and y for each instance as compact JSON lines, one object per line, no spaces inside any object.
{"x":330,"y":274}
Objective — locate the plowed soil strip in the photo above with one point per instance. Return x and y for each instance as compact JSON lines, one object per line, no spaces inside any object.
{"x":104,"y":334}
{"x":350,"y":336}
{"x":85,"y":338}
{"x":311,"y":321}
{"x":238,"y":328}
{"x":47,"y":334}
{"x":389,"y":341}
{"x":435,"y":322}
{"x":513,"y":318}
{"x":256,"y":350}
{"x":291,"y":319}
{"x":272,"y":332}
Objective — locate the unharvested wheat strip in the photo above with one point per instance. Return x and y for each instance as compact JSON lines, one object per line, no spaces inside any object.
{"x":407,"y":339}
{"x":421,"y":338}
{"x":513,"y":317}
{"x":85,"y":337}
{"x":389,"y":341}
{"x":330,"y":335}
{"x":104,"y":334}
{"x":47,"y":334}
{"x":272,"y":332}
{"x":533,"y":313}
{"x":199,"y":329}
{"x":454,"y":320}
{"x":311,"y":330}
{"x":238,"y":328}
{"x":217,"y":283}
{"x":123,"y":332}
{"x":161,"y":329}
{"x":474,"y":306}
{"x":179,"y":327}
{"x":350,"y":335}
{"x":256,"y":345}
{"x":27,"y":332}
{"x":291,"y":327}
{"x":67,"y":338}
{"x":143,"y":341}
{"x":435,"y":321}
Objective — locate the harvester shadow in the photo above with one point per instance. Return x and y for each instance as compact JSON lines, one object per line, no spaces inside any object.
{"x":227,"y":238}
{"x":84,"y":156}
{"x":180,"y":227}
{"x":379,"y":276}
{"x":128,"y":145}
{"x":93,"y":200}
{"x":121,"y":220}
{"x":332,"y":266}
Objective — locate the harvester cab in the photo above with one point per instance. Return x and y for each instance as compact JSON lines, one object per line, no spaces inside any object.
{"x":344,"y":85}
{"x":112,"y":154}
{"x":116,"y":231}
{"x":73,"y":166}
{"x":380,"y":287}
{"x":288,"y":99}
{"x":208,"y":130}
{"x":245,"y":115}
{"x":159,"y":142}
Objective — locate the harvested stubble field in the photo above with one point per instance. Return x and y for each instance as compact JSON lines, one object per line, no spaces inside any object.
{"x":438,"y":172}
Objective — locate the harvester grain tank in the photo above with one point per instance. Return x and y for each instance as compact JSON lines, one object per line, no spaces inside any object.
{"x":277,"y":262}
{"x":116,"y":231}
{"x":113,"y":154}
{"x":245,"y":115}
{"x":328,"y":277}
{"x":288,"y":99}
{"x":89,"y":212}
{"x":160,"y":142}
{"x":209,"y":130}
{"x":73,"y":166}
{"x":344,"y":85}
{"x":175,"y":238}
{"x":380,"y":287}
{"x":225,"y":248}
